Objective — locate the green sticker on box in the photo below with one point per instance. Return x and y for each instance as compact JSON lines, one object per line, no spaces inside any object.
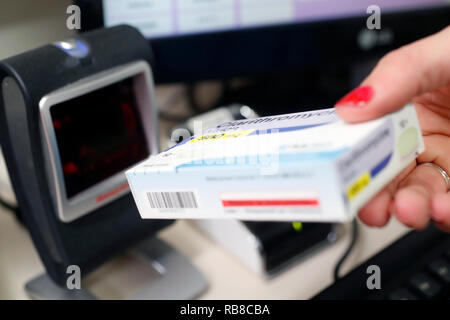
{"x":408,"y":141}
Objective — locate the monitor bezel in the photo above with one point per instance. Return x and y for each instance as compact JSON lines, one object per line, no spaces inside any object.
{"x":116,"y":186}
{"x":277,"y":48}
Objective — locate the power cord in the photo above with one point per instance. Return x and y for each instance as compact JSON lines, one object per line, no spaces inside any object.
{"x":350,"y":247}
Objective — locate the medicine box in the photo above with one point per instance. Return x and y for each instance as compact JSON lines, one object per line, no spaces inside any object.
{"x":308,"y":166}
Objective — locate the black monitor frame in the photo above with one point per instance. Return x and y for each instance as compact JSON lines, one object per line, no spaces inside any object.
{"x":263,"y":50}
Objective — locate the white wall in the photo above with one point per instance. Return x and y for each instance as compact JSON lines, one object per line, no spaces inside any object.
{"x":26,"y":24}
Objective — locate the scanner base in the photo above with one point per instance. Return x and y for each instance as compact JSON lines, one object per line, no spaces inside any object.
{"x":178,"y":279}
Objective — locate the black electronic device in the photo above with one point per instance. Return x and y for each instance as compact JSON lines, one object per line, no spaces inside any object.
{"x":197,"y":40}
{"x":268,"y":248}
{"x":74,"y":115}
{"x":416,"y":267}
{"x":281,"y":244}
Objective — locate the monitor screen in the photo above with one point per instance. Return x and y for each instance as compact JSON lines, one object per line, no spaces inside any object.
{"x":98,"y":135}
{"x":168,"y":18}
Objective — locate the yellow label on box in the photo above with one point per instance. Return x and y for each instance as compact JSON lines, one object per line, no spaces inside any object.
{"x":222,"y":136}
{"x":359,"y":185}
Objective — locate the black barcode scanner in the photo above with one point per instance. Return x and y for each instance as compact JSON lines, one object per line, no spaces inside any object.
{"x":74,"y":115}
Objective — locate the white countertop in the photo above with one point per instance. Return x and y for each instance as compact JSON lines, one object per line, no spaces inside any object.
{"x":228,"y":278}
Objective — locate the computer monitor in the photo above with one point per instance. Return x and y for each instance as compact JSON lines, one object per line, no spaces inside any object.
{"x":196,"y":40}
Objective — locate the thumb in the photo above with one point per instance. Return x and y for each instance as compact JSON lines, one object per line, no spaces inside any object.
{"x":400,"y":76}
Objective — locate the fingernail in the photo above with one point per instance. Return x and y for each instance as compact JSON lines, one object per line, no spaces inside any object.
{"x":357,"y":98}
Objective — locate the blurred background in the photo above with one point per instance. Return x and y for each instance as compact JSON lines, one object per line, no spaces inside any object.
{"x":217,"y":60}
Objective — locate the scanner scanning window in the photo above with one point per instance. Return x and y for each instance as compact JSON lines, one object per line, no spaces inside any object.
{"x":99,"y":135}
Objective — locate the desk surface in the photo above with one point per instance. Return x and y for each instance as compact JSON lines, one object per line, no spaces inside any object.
{"x":227,"y":277}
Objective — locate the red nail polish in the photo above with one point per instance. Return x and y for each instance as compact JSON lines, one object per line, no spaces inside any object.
{"x":357,"y":98}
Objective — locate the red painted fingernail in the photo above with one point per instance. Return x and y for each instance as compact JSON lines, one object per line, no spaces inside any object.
{"x":357,"y":98}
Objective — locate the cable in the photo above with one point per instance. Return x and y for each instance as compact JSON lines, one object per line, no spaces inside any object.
{"x":14,"y":209}
{"x":9,"y":206}
{"x":344,"y":257}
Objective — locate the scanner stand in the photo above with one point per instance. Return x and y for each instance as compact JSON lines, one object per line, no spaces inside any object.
{"x":178,"y":279}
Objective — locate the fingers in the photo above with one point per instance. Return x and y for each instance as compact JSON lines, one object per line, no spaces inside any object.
{"x":437,"y":151}
{"x":377,"y":212}
{"x":399,"y":77}
{"x":412,"y":207}
{"x":434,"y":118}
{"x":440,"y":207}
{"x":418,"y":194}
{"x":425,"y":189}
{"x":413,"y":203}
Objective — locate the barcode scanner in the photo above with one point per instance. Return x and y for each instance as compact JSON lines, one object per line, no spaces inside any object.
{"x":74,"y":115}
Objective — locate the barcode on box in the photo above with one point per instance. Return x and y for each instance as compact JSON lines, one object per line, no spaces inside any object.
{"x":172,"y":200}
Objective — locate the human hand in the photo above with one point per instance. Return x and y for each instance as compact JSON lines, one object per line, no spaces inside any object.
{"x":419,"y":72}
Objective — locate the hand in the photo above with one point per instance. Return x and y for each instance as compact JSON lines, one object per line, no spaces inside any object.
{"x":419,"y":72}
